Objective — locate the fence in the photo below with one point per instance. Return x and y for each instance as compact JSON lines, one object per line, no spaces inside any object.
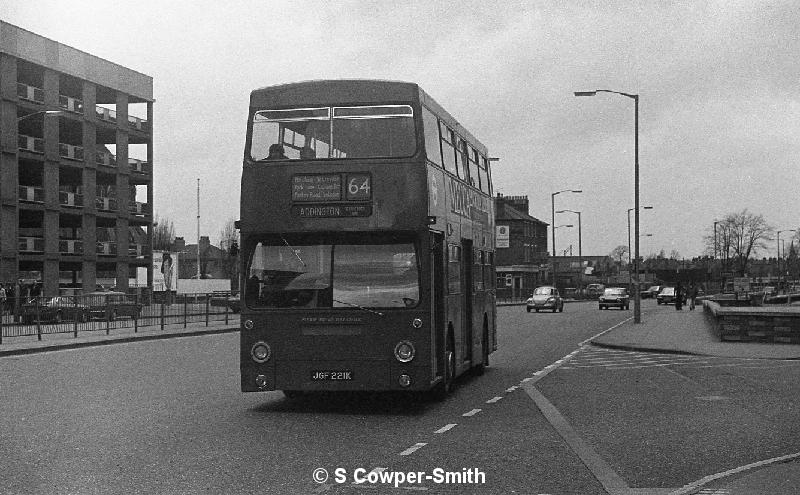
{"x":104,"y":312}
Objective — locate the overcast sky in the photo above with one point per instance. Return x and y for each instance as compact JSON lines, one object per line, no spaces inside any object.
{"x":719,"y":110}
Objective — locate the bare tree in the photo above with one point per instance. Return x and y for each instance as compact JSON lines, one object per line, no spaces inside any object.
{"x":740,"y":236}
{"x":163,"y":233}
{"x":618,"y":253}
{"x":229,"y":242}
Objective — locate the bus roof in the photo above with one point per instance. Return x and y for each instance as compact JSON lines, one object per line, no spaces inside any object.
{"x":357,"y":91}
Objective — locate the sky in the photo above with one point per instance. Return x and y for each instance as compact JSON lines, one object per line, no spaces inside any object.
{"x":719,"y":105}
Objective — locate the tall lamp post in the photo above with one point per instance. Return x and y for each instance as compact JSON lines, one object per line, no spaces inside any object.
{"x":779,"y":253}
{"x":580,"y":253}
{"x":553,"y":224}
{"x":554,"y":249}
{"x":637,"y":301}
{"x":630,"y":280}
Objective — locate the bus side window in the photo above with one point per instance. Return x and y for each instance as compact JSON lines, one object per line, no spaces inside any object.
{"x":433,"y":145}
{"x":485,"y":169}
{"x":461,"y":160}
{"x":448,"y":150}
{"x":477,"y":271}
{"x":454,"y":269}
{"x":474,"y":175}
{"x":488,"y":270}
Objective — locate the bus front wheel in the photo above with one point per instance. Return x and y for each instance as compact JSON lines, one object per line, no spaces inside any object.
{"x":444,"y":387}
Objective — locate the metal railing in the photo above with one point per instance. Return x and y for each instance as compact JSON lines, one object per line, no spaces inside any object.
{"x":67,"y":198}
{"x":31,"y":93}
{"x":30,"y":143}
{"x":70,"y":151}
{"x":70,"y":104}
{"x":31,"y":194}
{"x":112,"y":311}
{"x":105,"y":114}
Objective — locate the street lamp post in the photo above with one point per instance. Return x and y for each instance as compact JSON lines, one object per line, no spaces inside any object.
{"x":779,"y":253}
{"x":637,"y":310}
{"x":630,"y":280}
{"x":580,"y":253}
{"x":553,"y":224}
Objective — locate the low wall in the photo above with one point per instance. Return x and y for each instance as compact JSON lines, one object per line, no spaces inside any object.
{"x":755,"y":324}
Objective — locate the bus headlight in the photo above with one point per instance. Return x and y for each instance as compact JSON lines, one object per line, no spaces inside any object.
{"x":404,"y":380}
{"x":260,"y":352}
{"x":248,"y":324}
{"x":416,"y":323}
{"x":261,"y":381}
{"x":404,"y":351}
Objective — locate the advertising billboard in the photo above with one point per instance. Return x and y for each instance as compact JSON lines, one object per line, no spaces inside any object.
{"x":165,"y":271}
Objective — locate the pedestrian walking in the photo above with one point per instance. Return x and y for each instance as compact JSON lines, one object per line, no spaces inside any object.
{"x":692,"y":296}
{"x":678,"y":296}
{"x":2,"y":300}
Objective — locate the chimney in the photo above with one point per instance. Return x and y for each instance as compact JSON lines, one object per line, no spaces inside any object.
{"x":178,"y":245}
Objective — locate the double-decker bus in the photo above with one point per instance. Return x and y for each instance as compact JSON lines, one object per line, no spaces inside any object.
{"x":367,"y":241}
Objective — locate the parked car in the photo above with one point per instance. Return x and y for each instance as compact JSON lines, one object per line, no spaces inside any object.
{"x":615,"y":297}
{"x":651,"y":292}
{"x":666,"y":296}
{"x":54,"y":309}
{"x":545,"y":297}
{"x":595,"y":290}
{"x":109,"y":305}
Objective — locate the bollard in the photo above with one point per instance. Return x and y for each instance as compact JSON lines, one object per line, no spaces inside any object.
{"x":208,"y":300}
{"x":162,"y":315}
{"x":185,"y":310}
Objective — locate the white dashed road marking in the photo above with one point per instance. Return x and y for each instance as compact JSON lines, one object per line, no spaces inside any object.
{"x":446,"y":428}
{"x":413,"y":448}
{"x":472,"y":413}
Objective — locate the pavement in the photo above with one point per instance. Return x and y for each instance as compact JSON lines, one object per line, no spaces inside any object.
{"x":661,"y":331}
{"x":691,"y":332}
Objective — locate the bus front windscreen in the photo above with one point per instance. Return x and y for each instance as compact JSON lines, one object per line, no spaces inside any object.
{"x":332,"y":276}
{"x":377,"y":131}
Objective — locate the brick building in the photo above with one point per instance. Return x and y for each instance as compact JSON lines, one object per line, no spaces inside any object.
{"x":522,"y":256}
{"x":76,"y":176}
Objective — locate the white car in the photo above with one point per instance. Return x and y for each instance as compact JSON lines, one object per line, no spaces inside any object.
{"x":545,"y":297}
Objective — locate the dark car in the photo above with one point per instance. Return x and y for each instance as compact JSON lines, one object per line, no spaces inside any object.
{"x":545,"y":297}
{"x":109,"y":305}
{"x":54,"y":309}
{"x":651,"y":292}
{"x":615,"y":297}
{"x":666,"y":296}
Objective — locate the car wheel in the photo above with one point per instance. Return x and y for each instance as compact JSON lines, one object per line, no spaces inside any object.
{"x":537,"y":310}
{"x":561,"y":309}
{"x":529,"y":309}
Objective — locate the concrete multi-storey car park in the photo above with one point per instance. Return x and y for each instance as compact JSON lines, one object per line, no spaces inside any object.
{"x":76,"y":167}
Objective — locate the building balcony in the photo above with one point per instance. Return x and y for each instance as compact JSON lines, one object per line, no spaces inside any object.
{"x":138,"y":124}
{"x":70,"y":151}
{"x":31,"y":245}
{"x":31,"y":194}
{"x":139,"y":166}
{"x":138,"y":250}
{"x":139,"y":209}
{"x":107,"y":248}
{"x":70,"y":104}
{"x":30,"y":93}
{"x":70,"y":246}
{"x":30,"y":143}
{"x":105,"y":114}
{"x":105,"y":203}
{"x":104,"y":157}
{"x":66,"y":198}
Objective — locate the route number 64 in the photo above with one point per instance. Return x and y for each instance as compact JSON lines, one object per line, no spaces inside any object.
{"x":359,"y":186}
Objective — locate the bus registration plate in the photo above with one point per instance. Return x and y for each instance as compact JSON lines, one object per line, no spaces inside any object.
{"x":328,"y":375}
